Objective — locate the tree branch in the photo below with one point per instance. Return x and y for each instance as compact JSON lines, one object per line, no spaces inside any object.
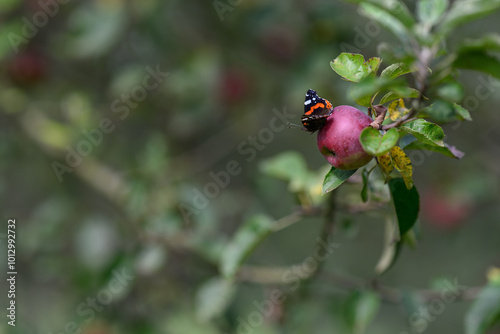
{"x":425,"y":57}
{"x":326,"y":232}
{"x":274,"y":276}
{"x":401,"y":121}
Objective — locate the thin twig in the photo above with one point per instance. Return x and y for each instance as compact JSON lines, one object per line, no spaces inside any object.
{"x":425,"y":57}
{"x":274,"y":276}
{"x":319,"y":254}
{"x":406,"y":119}
{"x":328,"y":229}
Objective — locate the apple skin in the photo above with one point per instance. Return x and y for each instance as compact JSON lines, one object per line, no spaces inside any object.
{"x":338,"y":139}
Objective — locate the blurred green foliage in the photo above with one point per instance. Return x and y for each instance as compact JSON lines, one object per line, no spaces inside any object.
{"x":128,"y":197}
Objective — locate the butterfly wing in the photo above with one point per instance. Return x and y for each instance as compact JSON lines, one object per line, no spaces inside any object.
{"x":316,"y":111}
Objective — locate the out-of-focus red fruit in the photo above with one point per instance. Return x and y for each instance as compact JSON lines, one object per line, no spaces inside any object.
{"x":444,"y":212}
{"x":28,"y":67}
{"x":338,"y":140}
{"x":280,"y":44}
{"x":234,"y":86}
{"x":34,"y":6}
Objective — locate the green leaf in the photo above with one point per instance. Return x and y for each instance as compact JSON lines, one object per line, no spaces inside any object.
{"x":398,"y":10}
{"x":463,"y":11}
{"x":424,"y":131}
{"x":364,"y":101}
{"x":385,"y":19}
{"x":96,"y":31}
{"x":453,"y":92}
{"x":404,"y":92}
{"x":406,"y":202}
{"x":363,"y":92}
{"x":185,"y":321}
{"x":6,"y":5}
{"x":289,"y":166}
{"x":490,"y":42}
{"x":462,"y":113}
{"x":367,"y":88}
{"x":364,"y":192}
{"x":335,"y":178}
{"x":395,"y":70}
{"x":405,"y":139}
{"x":366,"y":184}
{"x":392,"y":247}
{"x":411,"y":301}
{"x":362,"y":307}
{"x":349,"y":66}
{"x":213,"y":297}
{"x":391,"y":14}
{"x":395,"y":54}
{"x":286,"y":165}
{"x":447,"y":150}
{"x":410,"y":237}
{"x":375,"y":144}
{"x":9,"y":32}
{"x":248,"y":236}
{"x":429,"y":12}
{"x":395,"y":8}
{"x":478,"y":60}
{"x":373,"y":64}
{"x":441,"y":111}
{"x":485,"y":311}
{"x":352,"y":66}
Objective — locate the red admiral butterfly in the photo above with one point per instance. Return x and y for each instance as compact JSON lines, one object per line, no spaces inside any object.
{"x":316,"y":111}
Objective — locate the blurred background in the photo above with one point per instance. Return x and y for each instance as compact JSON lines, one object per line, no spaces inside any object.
{"x":116,"y":116}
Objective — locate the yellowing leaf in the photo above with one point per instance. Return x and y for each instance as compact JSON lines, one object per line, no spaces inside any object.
{"x":403,"y":164}
{"x":397,"y":109}
{"x":385,"y":163}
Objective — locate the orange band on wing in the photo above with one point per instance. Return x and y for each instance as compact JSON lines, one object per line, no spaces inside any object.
{"x":316,"y":106}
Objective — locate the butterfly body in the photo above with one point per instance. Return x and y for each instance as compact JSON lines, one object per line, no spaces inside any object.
{"x":316,"y":111}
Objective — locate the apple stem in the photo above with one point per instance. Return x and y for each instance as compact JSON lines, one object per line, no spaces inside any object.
{"x":380,"y":111}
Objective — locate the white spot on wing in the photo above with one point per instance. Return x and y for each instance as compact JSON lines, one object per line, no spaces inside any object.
{"x":307,"y":102}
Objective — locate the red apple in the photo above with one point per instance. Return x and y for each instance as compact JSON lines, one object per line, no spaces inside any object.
{"x":280,"y":44}
{"x":338,"y":139}
{"x":445,"y":212}
{"x":28,"y":67}
{"x":234,"y":86}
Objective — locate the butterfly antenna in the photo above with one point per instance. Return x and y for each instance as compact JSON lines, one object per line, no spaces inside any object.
{"x":291,"y":125}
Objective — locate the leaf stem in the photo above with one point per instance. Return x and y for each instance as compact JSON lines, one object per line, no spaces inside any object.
{"x":408,"y":118}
